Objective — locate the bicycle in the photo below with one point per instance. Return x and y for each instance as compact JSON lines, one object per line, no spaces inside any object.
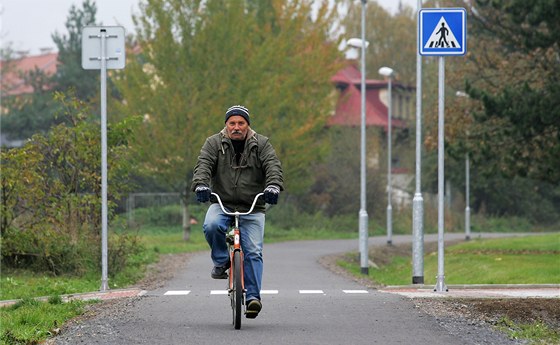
{"x":236,"y":284}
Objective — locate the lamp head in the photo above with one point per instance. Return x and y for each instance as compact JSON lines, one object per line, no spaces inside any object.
{"x":386,"y":72}
{"x":356,"y":43}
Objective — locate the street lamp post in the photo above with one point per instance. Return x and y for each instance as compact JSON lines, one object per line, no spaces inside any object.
{"x":418,"y":201}
{"x":363,"y":216}
{"x":467,"y":184}
{"x":467,"y":201}
{"x":388,"y":72}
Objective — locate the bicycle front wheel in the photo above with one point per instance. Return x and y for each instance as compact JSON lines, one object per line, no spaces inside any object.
{"x":237,"y":293}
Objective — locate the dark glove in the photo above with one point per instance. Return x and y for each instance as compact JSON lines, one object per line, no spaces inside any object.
{"x":271,"y":194}
{"x":202,"y":193}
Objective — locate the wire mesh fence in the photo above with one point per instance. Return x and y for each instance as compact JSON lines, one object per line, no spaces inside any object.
{"x":154,"y":208}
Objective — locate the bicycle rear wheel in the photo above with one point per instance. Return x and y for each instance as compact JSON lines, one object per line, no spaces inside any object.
{"x":237,"y":293}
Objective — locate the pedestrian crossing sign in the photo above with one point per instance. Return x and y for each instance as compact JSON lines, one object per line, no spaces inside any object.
{"x":442,"y":31}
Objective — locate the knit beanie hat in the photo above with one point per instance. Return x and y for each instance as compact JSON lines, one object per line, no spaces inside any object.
{"x":238,"y":110}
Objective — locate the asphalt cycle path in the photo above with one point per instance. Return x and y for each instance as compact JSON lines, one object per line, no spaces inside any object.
{"x":303,"y":303}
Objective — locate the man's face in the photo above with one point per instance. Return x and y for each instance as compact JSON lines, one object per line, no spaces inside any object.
{"x":237,"y":127}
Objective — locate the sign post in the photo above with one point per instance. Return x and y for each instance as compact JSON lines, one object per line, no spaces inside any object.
{"x":103,"y":48}
{"x":442,"y":32}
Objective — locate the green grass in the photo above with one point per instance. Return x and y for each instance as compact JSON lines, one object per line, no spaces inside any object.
{"x":540,"y":243}
{"x":30,"y":321}
{"x":392,"y":274}
{"x":169,"y":240}
{"x":273,"y":234}
{"x":24,"y":284}
{"x":473,"y":268}
{"x":522,"y":260}
{"x":536,"y":332}
{"x":18,"y":284}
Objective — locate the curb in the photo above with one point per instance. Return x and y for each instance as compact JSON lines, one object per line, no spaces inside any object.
{"x":474,"y":286}
{"x":101,"y":295}
{"x":478,"y":291}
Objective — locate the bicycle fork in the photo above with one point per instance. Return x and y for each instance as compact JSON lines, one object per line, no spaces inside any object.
{"x":234,"y":242}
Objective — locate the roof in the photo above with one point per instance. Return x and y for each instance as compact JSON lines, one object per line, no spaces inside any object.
{"x":351,"y":75}
{"x":349,"y":106}
{"x":14,"y":84}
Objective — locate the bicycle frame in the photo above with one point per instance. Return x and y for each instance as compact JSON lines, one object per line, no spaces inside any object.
{"x":236,"y":282}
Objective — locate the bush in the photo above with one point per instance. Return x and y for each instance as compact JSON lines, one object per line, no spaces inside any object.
{"x":51,"y":203}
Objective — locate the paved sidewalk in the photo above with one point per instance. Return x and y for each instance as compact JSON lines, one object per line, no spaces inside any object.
{"x":106,"y":295}
{"x":477,"y":291}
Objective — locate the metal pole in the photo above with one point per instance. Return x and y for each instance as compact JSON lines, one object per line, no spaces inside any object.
{"x":130,"y":209}
{"x":467,"y":201}
{"x":389,"y":155}
{"x":363,"y":216}
{"x":104,"y":270}
{"x":418,"y":201}
{"x":440,"y":284}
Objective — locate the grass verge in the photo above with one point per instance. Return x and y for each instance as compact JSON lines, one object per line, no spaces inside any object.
{"x":30,"y":321}
{"x":520,"y":260}
{"x":536,"y":332}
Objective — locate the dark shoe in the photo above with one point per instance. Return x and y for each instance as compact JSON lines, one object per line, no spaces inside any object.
{"x":254,"y":306}
{"x":220,"y":272}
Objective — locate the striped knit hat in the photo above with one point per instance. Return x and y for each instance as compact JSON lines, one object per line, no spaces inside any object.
{"x":238,"y":110}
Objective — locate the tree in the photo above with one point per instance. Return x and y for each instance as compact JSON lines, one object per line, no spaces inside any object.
{"x":33,"y":113}
{"x":37,"y":112}
{"x":509,"y":123}
{"x":199,"y":58}
{"x":392,"y":39}
{"x":513,"y":74}
{"x":69,"y":73}
{"x":51,"y":195}
{"x":334,"y":191}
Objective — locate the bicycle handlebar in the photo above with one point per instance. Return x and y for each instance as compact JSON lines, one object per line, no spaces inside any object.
{"x":236,"y":213}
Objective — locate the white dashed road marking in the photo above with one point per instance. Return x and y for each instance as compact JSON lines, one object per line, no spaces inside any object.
{"x":218,"y":292}
{"x":177,"y":293}
{"x":354,"y":291}
{"x":264,"y":292}
{"x":311,"y":291}
{"x":269,"y":292}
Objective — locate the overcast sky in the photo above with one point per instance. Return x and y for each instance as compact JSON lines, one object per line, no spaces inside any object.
{"x":29,"y":24}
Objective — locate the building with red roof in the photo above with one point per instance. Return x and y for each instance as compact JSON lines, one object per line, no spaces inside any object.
{"x":349,"y":107}
{"x":13,"y":83}
{"x":348,"y":112}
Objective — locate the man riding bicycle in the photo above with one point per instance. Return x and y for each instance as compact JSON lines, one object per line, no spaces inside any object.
{"x":237,"y":163}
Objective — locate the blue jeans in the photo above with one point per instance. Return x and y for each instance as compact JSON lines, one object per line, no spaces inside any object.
{"x":216,"y":225}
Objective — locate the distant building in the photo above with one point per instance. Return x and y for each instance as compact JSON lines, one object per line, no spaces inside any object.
{"x":13,"y":83}
{"x":348,"y":109}
{"x":348,"y":112}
